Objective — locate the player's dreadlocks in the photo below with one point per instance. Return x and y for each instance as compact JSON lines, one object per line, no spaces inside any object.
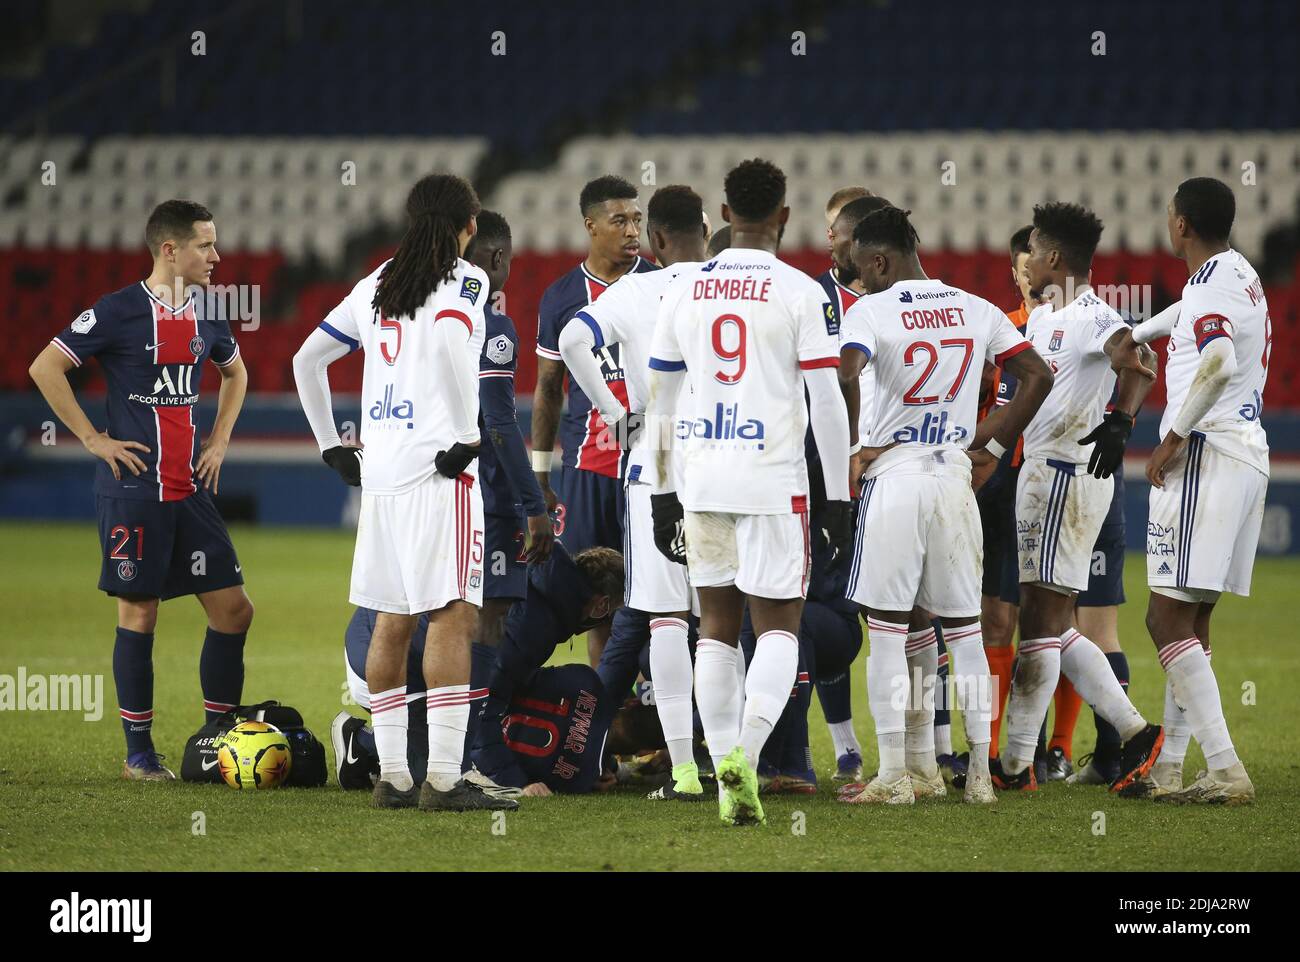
{"x":1070,"y":229}
{"x":755,"y":189}
{"x":676,"y":209}
{"x":887,"y":227}
{"x":438,"y":209}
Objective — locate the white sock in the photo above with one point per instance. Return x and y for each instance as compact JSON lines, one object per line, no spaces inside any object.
{"x":717,"y":696}
{"x":1038,"y":669}
{"x":388,"y":720}
{"x":887,"y":685}
{"x":767,"y":688}
{"x":922,"y":652}
{"x":670,"y":670}
{"x":973,"y":687}
{"x":1090,"y":673}
{"x":1197,"y":691}
{"x":448,"y":716}
{"x":1177,"y":732}
{"x":844,"y":738}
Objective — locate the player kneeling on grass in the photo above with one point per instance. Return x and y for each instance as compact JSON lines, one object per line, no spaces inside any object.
{"x":533,"y":730}
{"x":1212,"y":441}
{"x":1063,"y":493}
{"x":919,"y":539}
{"x":419,"y":317}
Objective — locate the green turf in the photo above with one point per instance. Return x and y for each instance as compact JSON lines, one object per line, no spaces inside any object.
{"x":64,"y":806}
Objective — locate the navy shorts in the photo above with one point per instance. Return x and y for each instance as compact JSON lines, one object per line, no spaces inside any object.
{"x":164,"y":549}
{"x":1106,"y":574}
{"x":507,"y":572}
{"x":997,"y":506}
{"x":590,"y":510}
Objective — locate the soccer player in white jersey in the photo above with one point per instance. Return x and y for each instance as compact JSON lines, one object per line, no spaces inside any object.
{"x":1064,"y":491}
{"x":419,"y":318}
{"x":748,"y":333}
{"x":919,"y":540}
{"x":1212,"y":442}
{"x":625,"y":315}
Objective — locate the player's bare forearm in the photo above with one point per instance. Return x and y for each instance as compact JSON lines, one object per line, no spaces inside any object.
{"x":230,"y":398}
{"x":547,"y":398}
{"x":50,"y":372}
{"x":1009,"y":421}
{"x":850,"y":375}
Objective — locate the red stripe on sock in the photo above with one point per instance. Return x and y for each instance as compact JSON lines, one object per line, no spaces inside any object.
{"x":1171,"y":653}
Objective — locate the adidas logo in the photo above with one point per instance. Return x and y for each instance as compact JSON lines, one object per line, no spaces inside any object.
{"x":1164,"y":568}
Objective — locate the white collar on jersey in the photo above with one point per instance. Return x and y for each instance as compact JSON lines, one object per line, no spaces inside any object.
{"x":163,"y":304}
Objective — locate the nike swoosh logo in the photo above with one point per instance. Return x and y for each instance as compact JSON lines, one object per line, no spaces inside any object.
{"x":352,"y":759}
{"x":150,"y":347}
{"x":208,"y":765}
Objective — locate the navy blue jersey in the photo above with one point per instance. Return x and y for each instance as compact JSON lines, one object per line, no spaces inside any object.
{"x":840,"y":296}
{"x":152,"y":356}
{"x":581,"y":427}
{"x":506,"y":477}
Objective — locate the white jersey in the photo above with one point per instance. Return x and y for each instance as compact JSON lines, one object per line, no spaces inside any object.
{"x":927,"y":343}
{"x":1073,"y":343}
{"x":625,"y":315}
{"x":405,"y":421}
{"x":1224,"y":299}
{"x":743,"y":326}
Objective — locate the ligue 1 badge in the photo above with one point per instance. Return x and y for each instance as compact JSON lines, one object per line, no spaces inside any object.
{"x":196,"y":346}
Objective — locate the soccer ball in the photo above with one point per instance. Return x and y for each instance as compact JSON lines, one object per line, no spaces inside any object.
{"x":254,"y":754}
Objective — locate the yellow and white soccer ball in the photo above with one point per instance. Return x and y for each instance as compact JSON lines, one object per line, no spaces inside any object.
{"x":254,"y":754}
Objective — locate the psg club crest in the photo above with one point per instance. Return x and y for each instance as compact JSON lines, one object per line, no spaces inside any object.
{"x":196,"y":345}
{"x":1055,"y":343}
{"x":126,"y":571}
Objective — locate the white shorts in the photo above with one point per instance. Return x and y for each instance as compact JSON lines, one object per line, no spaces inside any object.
{"x":764,"y":555}
{"x":926,"y":541}
{"x":420,"y":550}
{"x":1060,"y":509}
{"x":1203,"y":525}
{"x":654,"y":584}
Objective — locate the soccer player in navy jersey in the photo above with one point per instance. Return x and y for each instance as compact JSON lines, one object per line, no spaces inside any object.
{"x":533,"y":730}
{"x":512,"y":499}
{"x":587,"y":495}
{"x":160,"y":533}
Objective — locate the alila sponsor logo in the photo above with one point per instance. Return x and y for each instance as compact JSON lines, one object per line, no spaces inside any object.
{"x":75,"y":915}
{"x":932,"y":430}
{"x":395,"y":413}
{"x":725,"y":425}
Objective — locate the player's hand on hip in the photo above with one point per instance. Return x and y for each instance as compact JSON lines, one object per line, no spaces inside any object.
{"x":211,"y":456}
{"x":983,"y":464}
{"x":541,"y":538}
{"x":346,"y":460}
{"x":1170,"y":449}
{"x":453,"y":462}
{"x":864,"y":459}
{"x":112,"y":451}
{"x":669,"y":523}
{"x":1108,"y":439}
{"x":837,"y":523}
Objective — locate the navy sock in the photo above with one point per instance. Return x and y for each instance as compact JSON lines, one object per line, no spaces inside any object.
{"x":417,"y":739}
{"x":836,"y":696}
{"x":942,"y":715}
{"x":133,"y":676}
{"x":1107,"y":752}
{"x":221,"y":672}
{"x":796,"y":756}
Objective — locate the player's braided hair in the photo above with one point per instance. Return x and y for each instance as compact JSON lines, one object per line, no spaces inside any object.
{"x":1071,"y":229}
{"x":887,"y":227}
{"x":438,"y":209}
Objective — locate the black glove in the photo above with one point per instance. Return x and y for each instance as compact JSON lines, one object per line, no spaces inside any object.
{"x":669,"y":526}
{"x":451,"y":464}
{"x":1111,"y":435}
{"x":346,"y":460}
{"x":837,"y":523}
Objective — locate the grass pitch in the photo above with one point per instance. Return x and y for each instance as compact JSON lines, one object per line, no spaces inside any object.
{"x":64,"y":806}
